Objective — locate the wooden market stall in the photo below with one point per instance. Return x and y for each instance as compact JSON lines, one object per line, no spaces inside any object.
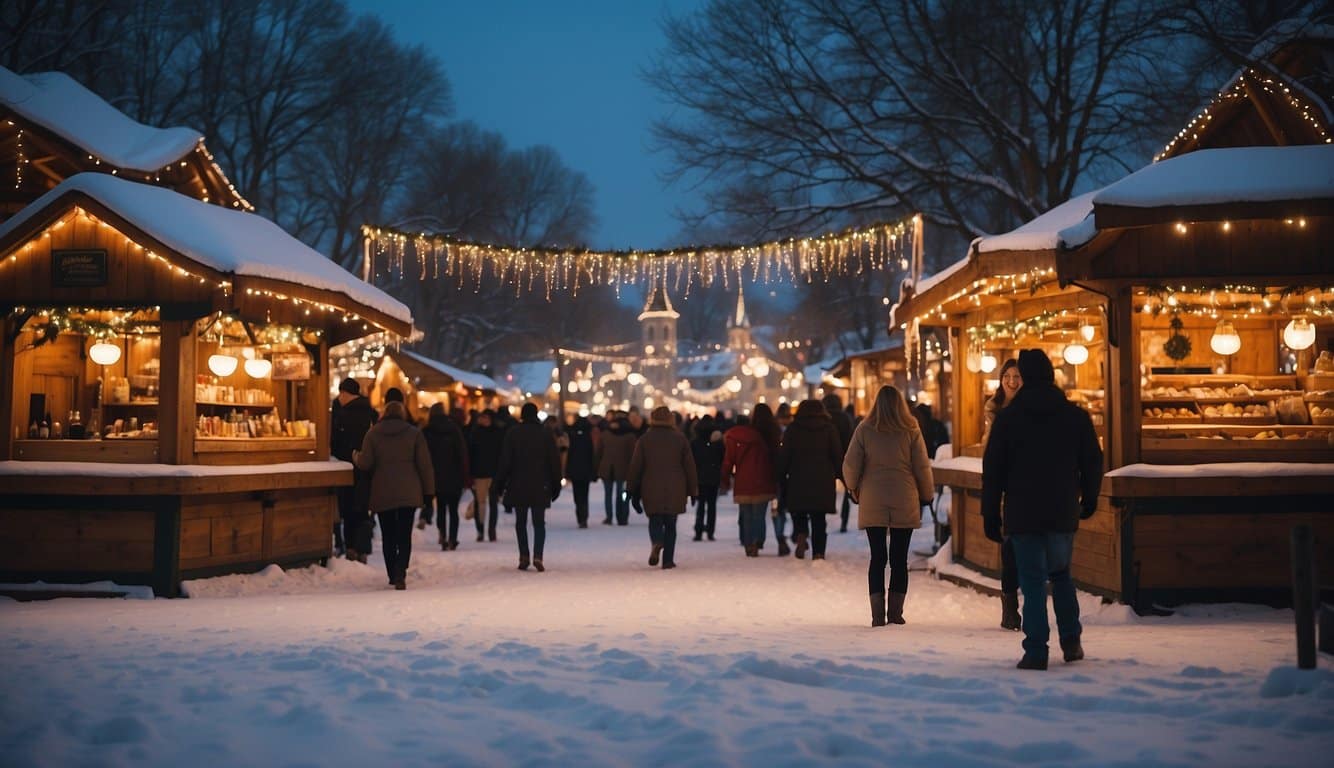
{"x":164,"y":396}
{"x":425,"y":382}
{"x":1187,"y":306}
{"x":54,"y":127}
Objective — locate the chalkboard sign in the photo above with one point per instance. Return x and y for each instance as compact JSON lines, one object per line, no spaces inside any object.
{"x":79,"y":268}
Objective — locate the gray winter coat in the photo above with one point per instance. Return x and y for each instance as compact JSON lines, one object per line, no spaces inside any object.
{"x":395,"y":454}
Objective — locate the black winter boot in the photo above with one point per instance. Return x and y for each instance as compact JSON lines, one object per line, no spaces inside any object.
{"x":1010,"y":618}
{"x":1032,"y":662}
{"x":877,"y":609}
{"x":1071,"y":649}
{"x":783,"y":549}
{"x":896,"y":607}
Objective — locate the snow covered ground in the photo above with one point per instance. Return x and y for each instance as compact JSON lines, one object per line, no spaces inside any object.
{"x":603,"y":660}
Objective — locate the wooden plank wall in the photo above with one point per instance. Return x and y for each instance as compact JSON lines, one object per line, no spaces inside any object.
{"x":227,"y":529}
{"x":77,"y":539}
{"x":1222,"y":551}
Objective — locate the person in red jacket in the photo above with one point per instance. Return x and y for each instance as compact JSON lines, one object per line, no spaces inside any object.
{"x":748,"y":466}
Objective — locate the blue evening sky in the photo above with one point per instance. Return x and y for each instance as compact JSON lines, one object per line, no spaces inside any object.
{"x":565,"y":74}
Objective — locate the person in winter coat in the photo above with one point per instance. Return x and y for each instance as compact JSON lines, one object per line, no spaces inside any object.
{"x":662,"y":477}
{"x":810,"y":463}
{"x":395,"y":454}
{"x":613,"y":460}
{"x":843,"y":423}
{"x":707,"y":449}
{"x":748,"y":462}
{"x":449,"y":458}
{"x":1041,"y":474}
{"x":889,"y":475}
{"x":579,"y":468}
{"x":529,"y":478}
{"x":783,"y":416}
{"x":553,"y":426}
{"x":1011,"y":381}
{"x":350,"y":418}
{"x":484,"y":443}
{"x":933,"y":429}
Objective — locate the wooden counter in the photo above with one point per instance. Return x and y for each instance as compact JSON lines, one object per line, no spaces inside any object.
{"x":158,"y":524}
{"x":1165,"y":534}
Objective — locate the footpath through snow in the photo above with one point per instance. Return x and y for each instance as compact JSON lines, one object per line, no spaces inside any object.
{"x":604,"y":661}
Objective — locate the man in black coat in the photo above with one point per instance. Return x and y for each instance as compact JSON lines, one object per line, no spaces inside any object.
{"x":579,"y":466}
{"x":529,"y":477}
{"x":484,"y":442}
{"x":708,"y":449}
{"x":1040,"y":476}
{"x":350,"y":418}
{"x":843,"y":423}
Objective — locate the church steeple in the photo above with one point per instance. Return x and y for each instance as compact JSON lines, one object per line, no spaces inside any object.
{"x":659,"y":304}
{"x":738,"y":325}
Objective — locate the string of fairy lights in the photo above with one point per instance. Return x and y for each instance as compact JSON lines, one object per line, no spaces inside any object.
{"x":1237,"y":90}
{"x":437,"y":257}
{"x":308,"y":307}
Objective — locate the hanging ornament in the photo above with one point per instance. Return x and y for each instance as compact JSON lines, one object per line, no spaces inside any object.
{"x":104,"y":353}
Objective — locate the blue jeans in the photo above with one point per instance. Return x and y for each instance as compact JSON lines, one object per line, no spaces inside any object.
{"x":617,"y":501}
{"x":1039,"y":558}
{"x":780,"y":523}
{"x":752,"y":523}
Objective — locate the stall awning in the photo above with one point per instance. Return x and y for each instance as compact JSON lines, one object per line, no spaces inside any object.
{"x":244,"y":249}
{"x":468,"y":379}
{"x":1220,"y":185}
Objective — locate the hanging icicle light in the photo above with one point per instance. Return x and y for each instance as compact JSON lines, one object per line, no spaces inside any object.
{"x":1299,"y":334}
{"x":104,"y":353}
{"x":1075,"y":354}
{"x":1225,"y":340}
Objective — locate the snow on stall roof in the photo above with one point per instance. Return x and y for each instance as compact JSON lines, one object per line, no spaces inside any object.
{"x":466,"y":378}
{"x":1233,"y":175}
{"x":961,"y":463}
{"x":930,"y":282}
{"x":1067,"y":225}
{"x":62,"y":105}
{"x":228,"y":241}
{"x":99,"y":469}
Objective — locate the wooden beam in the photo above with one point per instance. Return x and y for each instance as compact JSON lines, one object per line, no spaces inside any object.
{"x":1265,"y":113}
{"x":176,"y":394}
{"x":1122,"y":216}
{"x":1122,"y":402}
{"x":8,"y":334}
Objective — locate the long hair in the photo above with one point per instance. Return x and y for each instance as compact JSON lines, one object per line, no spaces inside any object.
{"x":890,"y":412}
{"x":999,"y":397}
{"x":762,"y":419}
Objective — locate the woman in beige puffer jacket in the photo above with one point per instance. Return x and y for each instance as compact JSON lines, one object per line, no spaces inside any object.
{"x":889,"y":475}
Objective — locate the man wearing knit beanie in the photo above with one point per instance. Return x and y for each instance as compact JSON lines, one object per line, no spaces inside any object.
{"x":1041,"y":473}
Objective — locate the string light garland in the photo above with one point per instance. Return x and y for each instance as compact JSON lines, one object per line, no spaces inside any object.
{"x":438,"y":256}
{"x":1237,"y":90}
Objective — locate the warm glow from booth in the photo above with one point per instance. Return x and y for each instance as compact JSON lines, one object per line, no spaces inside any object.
{"x":104,"y":353}
{"x":1225,"y":340}
{"x":222,"y":365}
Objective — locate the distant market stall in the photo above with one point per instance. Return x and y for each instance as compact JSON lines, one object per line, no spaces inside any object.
{"x":163,"y":386}
{"x":1190,"y":308}
{"x":425,"y":382}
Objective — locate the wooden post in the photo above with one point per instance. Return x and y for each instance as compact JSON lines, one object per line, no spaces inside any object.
{"x":7,"y":421}
{"x":1303,"y":594}
{"x":1123,"y":391}
{"x":319,"y":403}
{"x":176,"y":405}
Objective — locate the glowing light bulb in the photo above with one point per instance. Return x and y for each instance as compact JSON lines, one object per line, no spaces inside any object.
{"x":1225,"y":340}
{"x":104,"y":353}
{"x":222,"y":365}
{"x":258,"y":368}
{"x":1075,"y":354}
{"x":988,"y":362}
{"x":1299,"y":334}
{"x":1087,"y":331}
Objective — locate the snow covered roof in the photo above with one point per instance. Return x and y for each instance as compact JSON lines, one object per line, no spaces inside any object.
{"x":63,"y":106}
{"x":1068,"y":225}
{"x":466,"y":378}
{"x":1233,"y":175}
{"x":221,"y":239}
{"x":722,"y":363}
